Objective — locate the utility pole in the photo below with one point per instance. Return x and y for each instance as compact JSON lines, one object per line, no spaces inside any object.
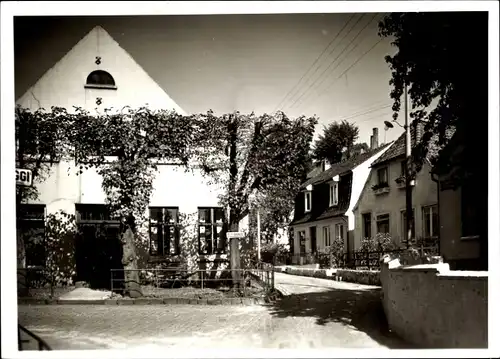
{"x":258,"y":235}
{"x":409,"y":209}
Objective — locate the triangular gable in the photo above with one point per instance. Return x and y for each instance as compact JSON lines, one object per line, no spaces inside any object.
{"x":368,"y":178}
{"x":64,"y":84}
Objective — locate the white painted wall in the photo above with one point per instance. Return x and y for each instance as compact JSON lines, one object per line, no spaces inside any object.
{"x":423,"y":194}
{"x":359,"y":177}
{"x":320,"y":240}
{"x":63,"y":84}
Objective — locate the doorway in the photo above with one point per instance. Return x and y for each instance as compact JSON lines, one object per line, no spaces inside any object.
{"x":312,"y":235}
{"x":98,"y":246}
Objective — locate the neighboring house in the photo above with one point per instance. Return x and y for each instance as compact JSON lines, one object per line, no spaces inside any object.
{"x":323,"y":207}
{"x":96,"y":74}
{"x":463,"y":208}
{"x":382,"y":205}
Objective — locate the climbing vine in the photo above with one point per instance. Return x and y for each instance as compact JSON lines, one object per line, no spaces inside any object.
{"x":243,"y":154}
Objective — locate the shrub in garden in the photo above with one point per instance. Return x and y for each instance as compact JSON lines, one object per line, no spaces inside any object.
{"x":380,"y":243}
{"x":269,"y":251}
{"x":333,"y":256}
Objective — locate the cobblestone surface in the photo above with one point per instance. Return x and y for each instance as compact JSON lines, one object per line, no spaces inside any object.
{"x":317,"y":313}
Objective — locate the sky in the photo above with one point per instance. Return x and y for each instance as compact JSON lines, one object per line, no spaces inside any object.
{"x":258,"y":63}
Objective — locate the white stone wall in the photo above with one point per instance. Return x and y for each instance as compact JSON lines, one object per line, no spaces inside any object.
{"x":433,"y":307}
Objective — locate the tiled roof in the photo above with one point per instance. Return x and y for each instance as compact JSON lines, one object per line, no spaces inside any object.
{"x":314,"y":172}
{"x":451,"y":154}
{"x":398,"y":149}
{"x":342,"y":167}
{"x":321,"y":209}
{"x":311,"y":217}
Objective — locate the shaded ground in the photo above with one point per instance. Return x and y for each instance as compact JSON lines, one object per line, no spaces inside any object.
{"x":336,"y":303}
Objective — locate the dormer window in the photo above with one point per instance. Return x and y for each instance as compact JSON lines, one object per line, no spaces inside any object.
{"x":334,"y":193}
{"x":101,"y":80}
{"x":307,"y":201}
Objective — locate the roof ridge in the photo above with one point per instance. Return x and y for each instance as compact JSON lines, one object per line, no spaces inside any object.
{"x":349,"y":164}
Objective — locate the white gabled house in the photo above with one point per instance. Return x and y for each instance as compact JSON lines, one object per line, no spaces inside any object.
{"x":97,"y":73}
{"x":381,"y":207}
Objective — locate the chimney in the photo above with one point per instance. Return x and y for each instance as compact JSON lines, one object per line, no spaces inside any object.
{"x":375,"y":137}
{"x":327,"y":165}
{"x":371,"y":142}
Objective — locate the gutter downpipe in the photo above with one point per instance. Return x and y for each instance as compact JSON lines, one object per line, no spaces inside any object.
{"x":438,"y":190}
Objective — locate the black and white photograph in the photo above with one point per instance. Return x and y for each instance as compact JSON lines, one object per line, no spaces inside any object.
{"x":250,"y":179}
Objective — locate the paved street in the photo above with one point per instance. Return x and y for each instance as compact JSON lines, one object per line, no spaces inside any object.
{"x":318,"y":313}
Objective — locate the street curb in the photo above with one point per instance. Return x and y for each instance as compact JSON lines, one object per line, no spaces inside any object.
{"x":282,"y":292}
{"x":149,"y":301}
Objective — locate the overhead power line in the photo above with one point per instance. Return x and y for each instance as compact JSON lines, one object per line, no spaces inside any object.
{"x":374,"y":117}
{"x":365,"y":113}
{"x":314,"y":63}
{"x":323,"y":78}
{"x":347,"y":70}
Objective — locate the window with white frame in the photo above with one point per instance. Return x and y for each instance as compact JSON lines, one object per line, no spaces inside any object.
{"x":211,"y":230}
{"x":308,"y":201}
{"x":326,"y":236}
{"x":403,"y":168}
{"x":383,"y":176}
{"x":383,"y":223}
{"x":339,"y":231}
{"x":430,"y":221}
{"x":164,"y":231}
{"x":367,"y":225}
{"x":334,"y":193}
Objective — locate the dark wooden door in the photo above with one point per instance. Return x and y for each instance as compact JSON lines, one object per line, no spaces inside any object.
{"x":312,"y":232}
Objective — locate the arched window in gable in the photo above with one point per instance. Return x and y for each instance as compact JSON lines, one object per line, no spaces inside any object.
{"x":100,"y":79}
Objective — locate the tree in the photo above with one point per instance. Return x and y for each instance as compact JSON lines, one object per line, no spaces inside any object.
{"x":248,"y":154}
{"x":139,"y":139}
{"x":276,"y":205}
{"x":358,"y":148}
{"x":434,"y":68}
{"x":337,"y":138}
{"x":448,"y":87}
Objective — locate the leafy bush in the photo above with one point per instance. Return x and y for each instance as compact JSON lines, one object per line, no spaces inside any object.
{"x":60,"y":232}
{"x":380,"y":243}
{"x":57,"y":241}
{"x":271,"y":250}
{"x":332,"y":256}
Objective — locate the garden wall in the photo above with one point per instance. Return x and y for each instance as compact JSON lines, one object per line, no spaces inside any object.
{"x":311,"y":272}
{"x":433,"y":307}
{"x":347,"y":275}
{"x":369,"y":277}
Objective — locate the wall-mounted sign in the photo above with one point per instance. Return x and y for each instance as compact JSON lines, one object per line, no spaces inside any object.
{"x":235,"y":235}
{"x":23,"y":177}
